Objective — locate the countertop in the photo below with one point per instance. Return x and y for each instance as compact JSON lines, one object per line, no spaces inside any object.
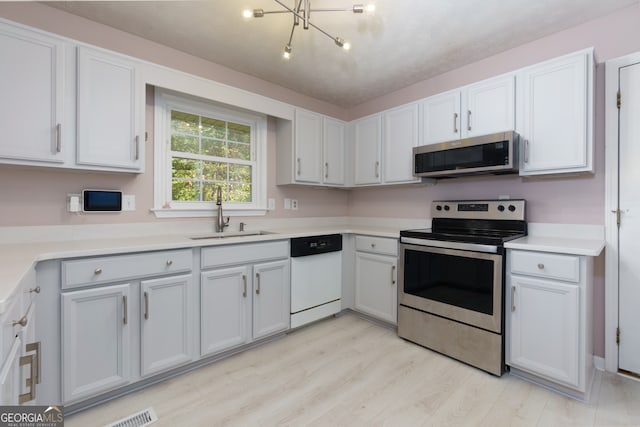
{"x":17,"y":259}
{"x":588,"y":247}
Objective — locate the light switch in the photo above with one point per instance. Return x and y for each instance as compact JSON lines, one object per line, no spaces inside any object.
{"x":271,"y":204}
{"x":287,"y":203}
{"x":128,"y":202}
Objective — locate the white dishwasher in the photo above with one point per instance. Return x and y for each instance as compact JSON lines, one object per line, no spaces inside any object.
{"x":316,"y":278}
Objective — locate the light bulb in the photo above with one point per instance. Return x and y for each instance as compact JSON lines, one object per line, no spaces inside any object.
{"x":247,"y":13}
{"x":287,"y":52}
{"x":346,"y":46}
{"x":371,"y":8}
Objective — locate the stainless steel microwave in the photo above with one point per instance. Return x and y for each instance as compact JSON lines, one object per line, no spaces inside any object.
{"x":488,"y":154}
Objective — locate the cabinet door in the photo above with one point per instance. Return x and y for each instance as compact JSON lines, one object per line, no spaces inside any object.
{"x":109,"y":111}
{"x":545,"y":328}
{"x":376,"y":290}
{"x":10,"y":384}
{"x":32,"y":87}
{"x":166,"y":324}
{"x":441,"y":118}
{"x":225,"y":296}
{"x":489,"y":107}
{"x":334,"y":151}
{"x":95,"y":341}
{"x":308,"y":147}
{"x":271,"y":308}
{"x":400,"y":136}
{"x":556,"y":116}
{"x":367,"y":145}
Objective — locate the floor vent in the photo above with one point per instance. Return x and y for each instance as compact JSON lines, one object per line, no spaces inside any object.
{"x":139,"y":419}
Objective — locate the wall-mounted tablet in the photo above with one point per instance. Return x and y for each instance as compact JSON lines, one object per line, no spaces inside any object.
{"x":101,"y":201}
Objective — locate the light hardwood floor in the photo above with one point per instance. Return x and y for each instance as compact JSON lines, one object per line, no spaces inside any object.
{"x":350,"y":372}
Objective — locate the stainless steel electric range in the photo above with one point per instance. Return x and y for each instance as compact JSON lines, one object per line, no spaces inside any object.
{"x":451,"y":280}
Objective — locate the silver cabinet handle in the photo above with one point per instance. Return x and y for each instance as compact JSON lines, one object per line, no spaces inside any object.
{"x":22,"y":321}
{"x":35,"y":346}
{"x":455,"y":122}
{"x":526,"y":151}
{"x":35,"y":290}
{"x":169,"y":263}
{"x":97,"y":271}
{"x":137,"y":147}
{"x":513,"y":298}
{"x":244,"y":285}
{"x":30,"y":382}
{"x":468,"y":119}
{"x":146,"y":305}
{"x":373,"y":245}
{"x":124,"y":309}
{"x":258,"y":283}
{"x":377,"y":168}
{"x":541,"y":266}
{"x":326,"y":170}
{"x":58,"y":138}
{"x":299,"y":168}
{"x":393,"y":277}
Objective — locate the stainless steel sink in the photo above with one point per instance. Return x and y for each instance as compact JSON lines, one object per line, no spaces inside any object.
{"x":229,"y":234}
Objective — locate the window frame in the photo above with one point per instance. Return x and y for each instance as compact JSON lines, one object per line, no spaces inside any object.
{"x":163,"y":206}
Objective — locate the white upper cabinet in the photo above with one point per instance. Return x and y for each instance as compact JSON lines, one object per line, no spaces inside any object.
{"x":556,"y":108}
{"x":400,"y":136}
{"x":478,"y":109}
{"x":110,"y":100}
{"x":310,"y":150}
{"x":334,"y":151}
{"x":367,"y":143}
{"x":32,"y":116}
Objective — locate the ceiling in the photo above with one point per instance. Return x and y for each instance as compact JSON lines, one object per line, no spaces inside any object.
{"x":401,"y":43}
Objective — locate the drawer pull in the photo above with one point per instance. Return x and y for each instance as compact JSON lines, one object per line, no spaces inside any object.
{"x":541,"y":266}
{"x":97,"y":271}
{"x":35,"y":290}
{"x":146,"y":305}
{"x":22,"y":322}
{"x":124,"y":309}
{"x":258,"y":284}
{"x":373,"y":245}
{"x":513,"y":298}
{"x":244,"y":285}
{"x":393,"y":277}
{"x":169,"y":263}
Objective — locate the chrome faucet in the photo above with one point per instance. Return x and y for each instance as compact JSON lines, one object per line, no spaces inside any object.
{"x":220,"y":221}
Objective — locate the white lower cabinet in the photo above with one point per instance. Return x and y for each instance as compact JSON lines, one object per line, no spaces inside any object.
{"x":549,"y":319}
{"x":96,"y":356}
{"x":376,"y":262}
{"x":165,"y":331}
{"x":243,"y":298}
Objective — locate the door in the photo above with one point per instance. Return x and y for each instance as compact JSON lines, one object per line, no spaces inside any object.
{"x":629,"y":229}
{"x":545,"y":328}
{"x":367,"y":146}
{"x":334,"y":151}
{"x":32,"y":88}
{"x":376,"y":290}
{"x":166,"y":324}
{"x":400,"y":136}
{"x":225,"y":296}
{"x":109,"y":111}
{"x":441,"y":118}
{"x":489,"y":107}
{"x":308,"y":147}
{"x":270,"y":298}
{"x":95,"y":341}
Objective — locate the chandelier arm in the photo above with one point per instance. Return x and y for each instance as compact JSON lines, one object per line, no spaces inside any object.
{"x":293,"y":28}
{"x":302,"y":17}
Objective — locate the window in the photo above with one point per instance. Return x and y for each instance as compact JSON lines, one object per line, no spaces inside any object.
{"x":202,"y":148}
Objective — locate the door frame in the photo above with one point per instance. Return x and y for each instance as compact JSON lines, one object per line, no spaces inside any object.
{"x":612,"y":153}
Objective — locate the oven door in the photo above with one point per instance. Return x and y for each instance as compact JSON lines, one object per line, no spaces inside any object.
{"x":461,"y":285}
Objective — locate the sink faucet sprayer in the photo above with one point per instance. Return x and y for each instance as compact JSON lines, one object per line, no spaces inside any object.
{"x":220,"y":222}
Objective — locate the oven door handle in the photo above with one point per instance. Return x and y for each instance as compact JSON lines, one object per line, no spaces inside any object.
{"x":476,"y":247}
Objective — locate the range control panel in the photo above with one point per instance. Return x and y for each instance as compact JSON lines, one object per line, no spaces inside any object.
{"x":479,"y":209}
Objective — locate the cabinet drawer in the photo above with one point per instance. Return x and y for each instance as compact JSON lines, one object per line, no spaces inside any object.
{"x":216,"y":256}
{"x":552,"y":266}
{"x":124,"y":267}
{"x":377,"y":245}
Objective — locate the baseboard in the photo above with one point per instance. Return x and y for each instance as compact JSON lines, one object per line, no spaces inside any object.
{"x":598,"y":363}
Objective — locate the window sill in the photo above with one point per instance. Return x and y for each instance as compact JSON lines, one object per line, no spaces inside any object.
{"x":205,"y":213}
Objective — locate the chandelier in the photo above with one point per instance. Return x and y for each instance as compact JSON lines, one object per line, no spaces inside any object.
{"x":301,"y":11}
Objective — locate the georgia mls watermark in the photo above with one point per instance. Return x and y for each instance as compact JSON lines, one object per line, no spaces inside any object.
{"x":31,"y":416}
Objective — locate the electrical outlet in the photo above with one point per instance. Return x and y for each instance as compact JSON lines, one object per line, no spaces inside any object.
{"x":271,"y":204}
{"x":287,"y":203}
{"x":294,"y":204}
{"x":73,"y":202}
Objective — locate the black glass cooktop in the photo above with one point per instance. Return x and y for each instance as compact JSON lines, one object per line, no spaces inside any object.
{"x":489,"y":232}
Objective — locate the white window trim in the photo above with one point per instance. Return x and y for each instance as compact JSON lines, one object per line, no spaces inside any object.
{"x":166,"y":100}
